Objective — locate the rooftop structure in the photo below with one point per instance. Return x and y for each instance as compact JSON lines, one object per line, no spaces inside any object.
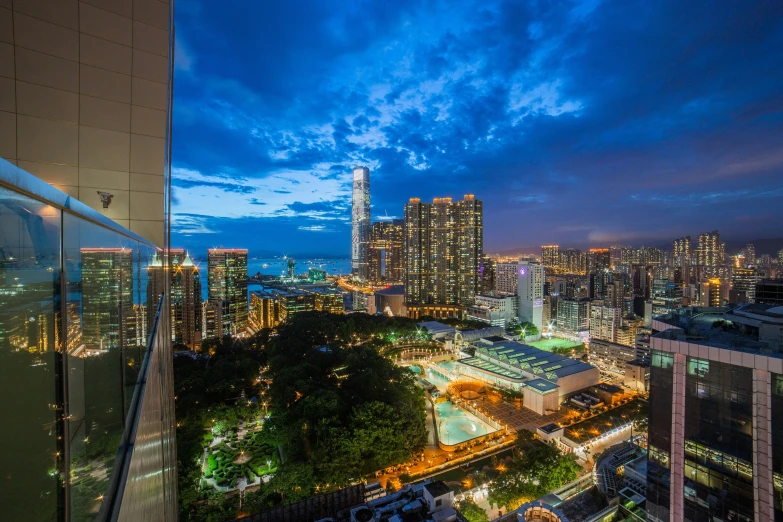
{"x":545,"y":378}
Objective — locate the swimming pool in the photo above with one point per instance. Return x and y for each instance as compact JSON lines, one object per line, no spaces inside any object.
{"x":456,"y":425}
{"x":436,"y":378}
{"x":415,"y":369}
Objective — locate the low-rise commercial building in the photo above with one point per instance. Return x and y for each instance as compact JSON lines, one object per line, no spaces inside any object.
{"x":546,"y":379}
{"x":612,"y":356}
{"x":497,"y":311}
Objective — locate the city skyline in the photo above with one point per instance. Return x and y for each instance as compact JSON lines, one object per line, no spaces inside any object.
{"x":527,"y":108}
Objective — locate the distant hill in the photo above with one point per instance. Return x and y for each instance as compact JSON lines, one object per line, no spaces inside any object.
{"x":769,"y":246}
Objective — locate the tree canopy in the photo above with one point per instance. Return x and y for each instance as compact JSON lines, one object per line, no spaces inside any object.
{"x":535,"y":470}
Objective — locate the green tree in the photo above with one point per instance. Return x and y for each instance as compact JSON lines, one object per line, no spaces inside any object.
{"x":471,"y":511}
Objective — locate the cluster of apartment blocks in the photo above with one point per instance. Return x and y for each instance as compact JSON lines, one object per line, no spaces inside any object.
{"x":270,"y":307}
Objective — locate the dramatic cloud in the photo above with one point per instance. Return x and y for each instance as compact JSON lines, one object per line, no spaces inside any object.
{"x":581,"y":122}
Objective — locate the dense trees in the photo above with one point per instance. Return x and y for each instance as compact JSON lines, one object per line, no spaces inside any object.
{"x":471,"y":511}
{"x":337,"y":407}
{"x":535,"y":470}
{"x":341,"y":406}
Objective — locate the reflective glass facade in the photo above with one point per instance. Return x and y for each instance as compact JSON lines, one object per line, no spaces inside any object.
{"x":75,"y":346}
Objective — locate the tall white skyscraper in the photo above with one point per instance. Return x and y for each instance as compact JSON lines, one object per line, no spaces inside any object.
{"x":360,"y":223}
{"x":530,"y":287}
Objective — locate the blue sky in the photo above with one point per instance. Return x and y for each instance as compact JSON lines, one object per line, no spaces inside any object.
{"x":578,"y":122}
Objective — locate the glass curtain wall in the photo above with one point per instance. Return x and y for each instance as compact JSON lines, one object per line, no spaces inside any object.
{"x":73,"y":335}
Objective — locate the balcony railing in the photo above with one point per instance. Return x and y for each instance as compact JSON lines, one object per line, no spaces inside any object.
{"x":85,"y":363}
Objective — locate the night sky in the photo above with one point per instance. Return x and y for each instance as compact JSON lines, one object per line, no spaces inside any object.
{"x":579,"y":123}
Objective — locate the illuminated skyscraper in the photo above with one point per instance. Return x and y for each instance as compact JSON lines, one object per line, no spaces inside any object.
{"x":550,"y":256}
{"x":185,"y":285}
{"x":108,"y":318}
{"x":709,"y":249}
{"x":681,"y":251}
{"x":443,"y":250}
{"x":506,"y":278}
{"x":530,"y":286}
{"x":227,"y":290}
{"x":385,"y":255}
{"x":360,"y":223}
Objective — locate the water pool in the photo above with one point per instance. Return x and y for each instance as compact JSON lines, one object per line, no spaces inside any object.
{"x":450,"y":366}
{"x":415,"y":369}
{"x":436,"y":378}
{"x":456,"y":425}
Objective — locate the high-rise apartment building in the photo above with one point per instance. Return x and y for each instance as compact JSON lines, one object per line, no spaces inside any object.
{"x":506,"y":278}
{"x":385,"y":254}
{"x":750,"y":254}
{"x":709,"y":251}
{"x":599,"y":260}
{"x":716,"y":402}
{"x":605,"y":322}
{"x":681,"y":251}
{"x":487,"y":275}
{"x":185,"y":291}
{"x":360,"y":223}
{"x":108,"y":317}
{"x":550,"y":257}
{"x":573,"y":315}
{"x":530,"y":287}
{"x":443,"y":250}
{"x":85,"y":104}
{"x":227,"y":287}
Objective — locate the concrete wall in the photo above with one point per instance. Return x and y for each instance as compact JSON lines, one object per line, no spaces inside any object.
{"x":83,"y":101}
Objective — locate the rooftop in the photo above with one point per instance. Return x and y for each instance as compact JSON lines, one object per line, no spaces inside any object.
{"x":532,"y":360}
{"x":727,"y":328}
{"x":437,"y":489}
{"x":542,"y":386}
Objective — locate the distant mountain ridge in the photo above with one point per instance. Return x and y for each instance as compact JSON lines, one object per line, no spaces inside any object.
{"x":769,"y":246}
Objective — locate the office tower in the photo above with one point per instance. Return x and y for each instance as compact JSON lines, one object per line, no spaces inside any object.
{"x":573,"y":315}
{"x":290,"y":268}
{"x":743,"y":284}
{"x":550,"y":257}
{"x":108,"y":318}
{"x":506,"y":278}
{"x":360,"y":222}
{"x":443,"y":248}
{"x":770,"y":291}
{"x":530,"y":287}
{"x":227,"y":288}
{"x":681,"y":251}
{"x":708,"y":253}
{"x":716,"y":405}
{"x":263,"y":312}
{"x":605,"y":321}
{"x":385,"y":256}
{"x":84,"y":108}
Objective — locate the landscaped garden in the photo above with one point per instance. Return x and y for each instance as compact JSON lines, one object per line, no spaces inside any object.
{"x":596,"y":426}
{"x":233,"y":459}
